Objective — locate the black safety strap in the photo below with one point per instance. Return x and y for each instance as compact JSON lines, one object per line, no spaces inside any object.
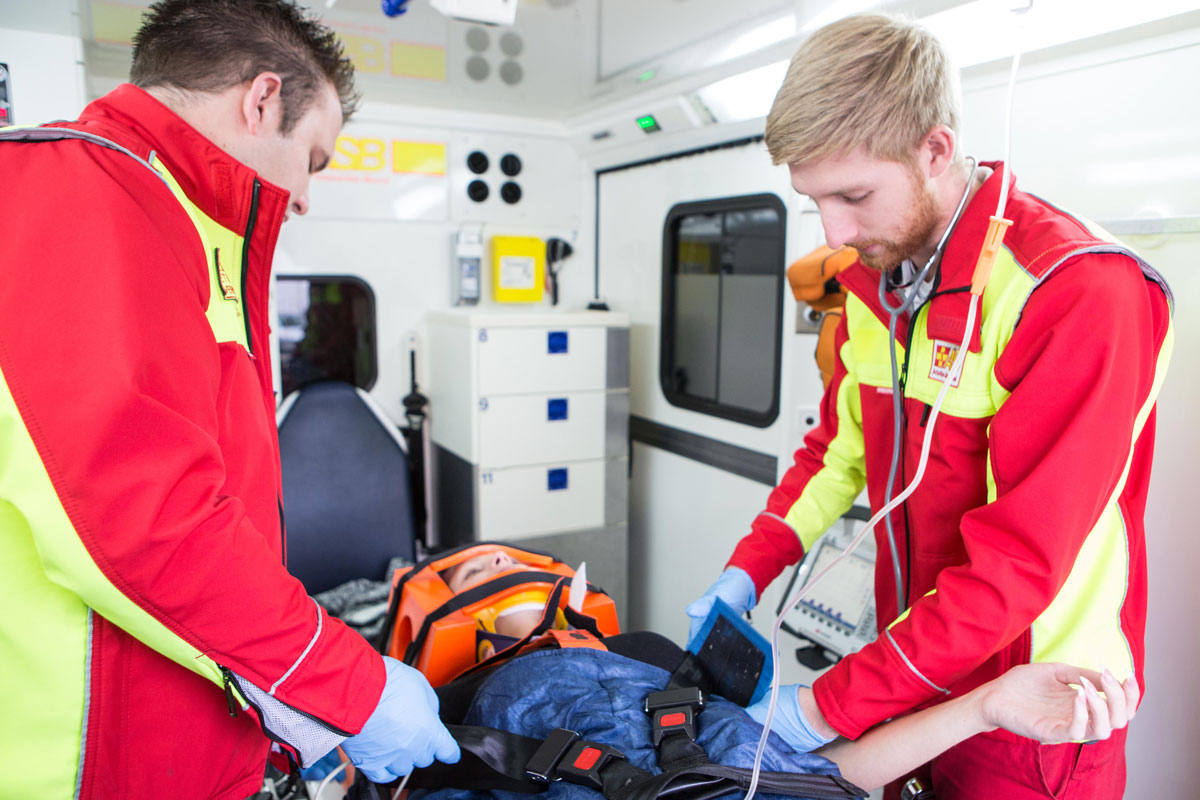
{"x":550,"y":611}
{"x":714,"y":780}
{"x":482,"y":592}
{"x":496,"y":760}
{"x":686,"y":767}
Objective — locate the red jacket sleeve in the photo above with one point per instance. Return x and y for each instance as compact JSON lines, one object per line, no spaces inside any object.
{"x":107,"y":354}
{"x":1083,"y":368}
{"x":819,"y":487}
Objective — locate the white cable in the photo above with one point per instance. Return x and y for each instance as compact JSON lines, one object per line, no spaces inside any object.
{"x":1012,"y":80}
{"x":1008,"y":110}
{"x":403,"y":783}
{"x":329,"y":779}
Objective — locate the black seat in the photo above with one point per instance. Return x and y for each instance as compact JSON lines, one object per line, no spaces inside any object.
{"x":346,"y":492}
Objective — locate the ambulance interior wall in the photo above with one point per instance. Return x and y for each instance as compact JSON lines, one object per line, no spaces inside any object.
{"x":45,"y":77}
{"x":396,"y":230}
{"x":1102,"y":128}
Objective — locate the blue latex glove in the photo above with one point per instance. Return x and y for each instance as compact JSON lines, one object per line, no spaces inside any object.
{"x":789,"y":721}
{"x":735,"y":587}
{"x":403,"y":731}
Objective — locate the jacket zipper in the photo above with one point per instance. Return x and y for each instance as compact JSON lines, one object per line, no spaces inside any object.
{"x":282,"y":531}
{"x":912,"y":327}
{"x":246,"y":264}
{"x":227,"y":679}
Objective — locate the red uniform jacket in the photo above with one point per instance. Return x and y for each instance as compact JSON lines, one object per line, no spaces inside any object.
{"x":140,"y":511}
{"x":1025,"y":540}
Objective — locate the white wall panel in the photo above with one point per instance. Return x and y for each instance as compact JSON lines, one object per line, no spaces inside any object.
{"x":1112,"y":134}
{"x":634,"y":32}
{"x":45,"y":79}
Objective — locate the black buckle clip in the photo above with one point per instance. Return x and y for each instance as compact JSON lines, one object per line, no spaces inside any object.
{"x":914,"y":790}
{"x":674,"y":711}
{"x":563,"y":756}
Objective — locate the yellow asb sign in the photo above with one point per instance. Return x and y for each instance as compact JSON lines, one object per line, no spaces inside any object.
{"x":371,"y":154}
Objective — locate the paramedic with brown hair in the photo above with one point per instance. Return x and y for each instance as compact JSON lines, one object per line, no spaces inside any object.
{"x":1025,"y":541}
{"x":152,"y":643}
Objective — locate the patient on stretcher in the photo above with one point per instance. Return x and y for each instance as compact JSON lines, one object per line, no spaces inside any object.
{"x":512,"y":617}
{"x":599,"y":692}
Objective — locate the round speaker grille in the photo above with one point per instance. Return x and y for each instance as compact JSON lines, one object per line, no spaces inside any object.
{"x":477,"y":191}
{"x":510,"y":193}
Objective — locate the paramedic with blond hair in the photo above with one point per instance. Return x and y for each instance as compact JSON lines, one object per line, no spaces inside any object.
{"x":152,"y":642}
{"x":1025,"y":541}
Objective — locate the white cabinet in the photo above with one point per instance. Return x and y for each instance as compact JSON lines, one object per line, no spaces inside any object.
{"x":529,"y":414}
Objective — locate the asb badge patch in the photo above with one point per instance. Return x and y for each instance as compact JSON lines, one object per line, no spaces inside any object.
{"x":943,"y":359}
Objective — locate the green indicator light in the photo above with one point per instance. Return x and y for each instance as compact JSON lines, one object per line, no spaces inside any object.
{"x":647,"y":75}
{"x":648,"y":123}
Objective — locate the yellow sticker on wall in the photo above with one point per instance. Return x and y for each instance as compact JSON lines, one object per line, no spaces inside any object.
{"x":418,"y":61}
{"x":115,"y":23}
{"x":422,"y":158}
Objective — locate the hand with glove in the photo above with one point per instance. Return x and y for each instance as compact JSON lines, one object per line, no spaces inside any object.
{"x":404,"y":731}
{"x":735,"y":587}
{"x":789,"y":721}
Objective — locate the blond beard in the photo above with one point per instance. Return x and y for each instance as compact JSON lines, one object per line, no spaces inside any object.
{"x":919,"y":230}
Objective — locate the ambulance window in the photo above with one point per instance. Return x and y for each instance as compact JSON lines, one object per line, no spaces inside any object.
{"x":326,"y":330}
{"x":722,"y":307}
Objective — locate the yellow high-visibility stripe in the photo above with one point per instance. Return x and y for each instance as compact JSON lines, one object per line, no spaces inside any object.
{"x":44,"y":643}
{"x":1082,"y":625}
{"x":223,"y":252}
{"x":904,"y":614}
{"x":833,"y":488}
{"x":49,"y":580}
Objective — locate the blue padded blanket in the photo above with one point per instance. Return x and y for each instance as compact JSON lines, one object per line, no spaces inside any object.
{"x":599,"y":694}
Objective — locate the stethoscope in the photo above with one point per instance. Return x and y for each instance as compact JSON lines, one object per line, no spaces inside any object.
{"x":894,"y":313}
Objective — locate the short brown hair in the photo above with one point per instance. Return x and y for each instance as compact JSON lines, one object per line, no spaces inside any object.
{"x":210,"y":45}
{"x":870,"y":80}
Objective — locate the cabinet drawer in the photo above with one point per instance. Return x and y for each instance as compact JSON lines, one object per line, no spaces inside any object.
{"x":520,"y":360}
{"x":530,"y":501}
{"x":540,"y":428}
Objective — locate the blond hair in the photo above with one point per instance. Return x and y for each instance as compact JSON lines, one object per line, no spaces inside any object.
{"x":871,"y":80}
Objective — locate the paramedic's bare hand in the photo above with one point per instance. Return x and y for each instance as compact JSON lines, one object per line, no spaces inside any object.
{"x":735,"y":587}
{"x":790,"y":720}
{"x":1055,"y":703}
{"x":403,"y":732}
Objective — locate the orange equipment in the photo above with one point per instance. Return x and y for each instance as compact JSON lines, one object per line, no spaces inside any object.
{"x":812,"y":280}
{"x":439,"y":632}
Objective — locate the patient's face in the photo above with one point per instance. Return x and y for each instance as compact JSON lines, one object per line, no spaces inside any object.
{"x":478,"y":569}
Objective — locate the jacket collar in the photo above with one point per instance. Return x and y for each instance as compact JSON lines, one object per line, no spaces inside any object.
{"x":219,"y":185}
{"x":949,"y":304}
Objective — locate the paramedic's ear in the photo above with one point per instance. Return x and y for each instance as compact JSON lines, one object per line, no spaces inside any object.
{"x":261,"y":106}
{"x":935,"y":154}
